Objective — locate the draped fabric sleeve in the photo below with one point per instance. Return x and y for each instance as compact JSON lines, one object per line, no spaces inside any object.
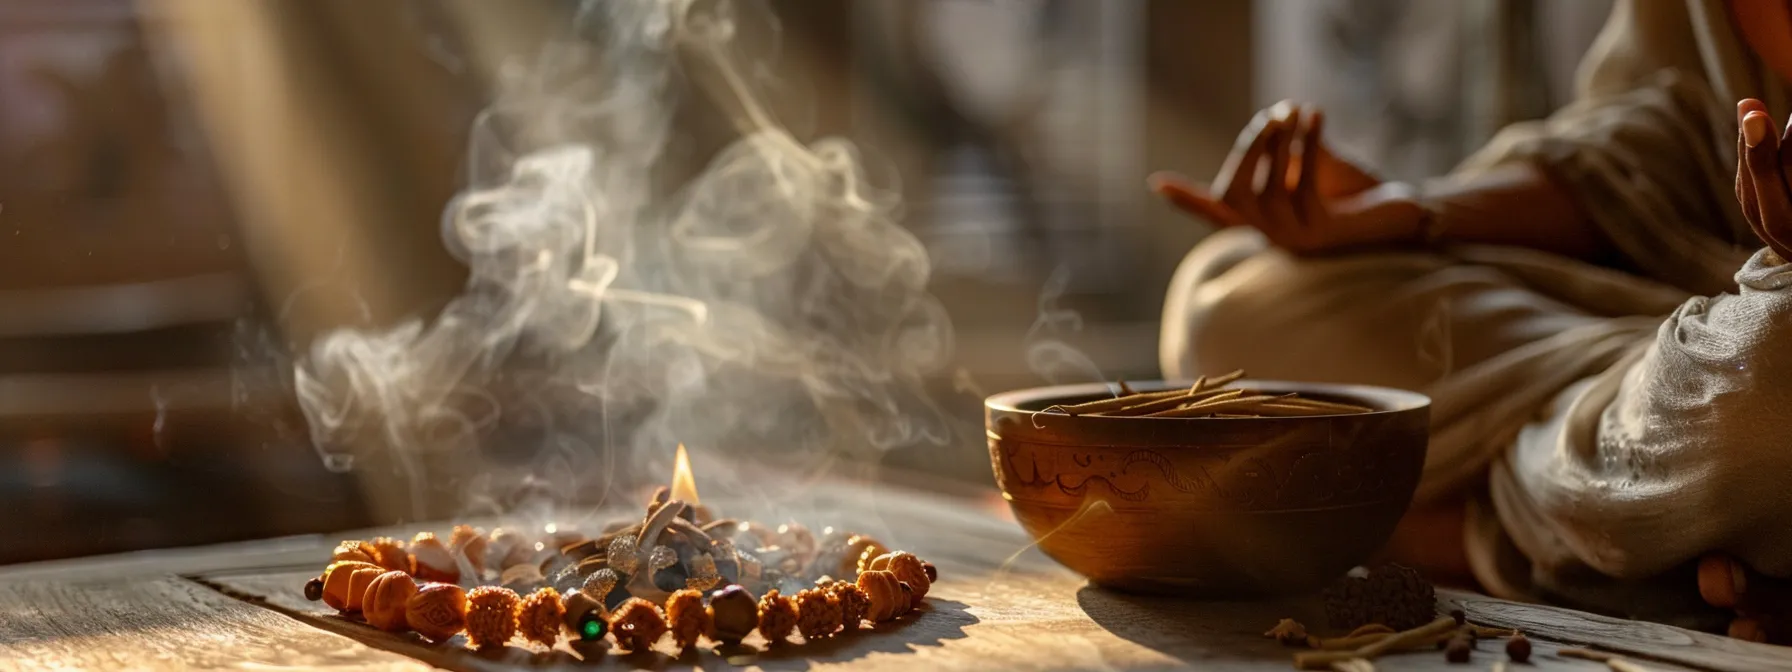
{"x":1674,"y":455}
{"x":1646,"y":150}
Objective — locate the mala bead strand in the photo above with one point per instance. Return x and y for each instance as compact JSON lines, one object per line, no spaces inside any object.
{"x":688,"y":619}
{"x":818,"y":613}
{"x":538,"y":616}
{"x":386,"y":599}
{"x":777,"y":617}
{"x":438,"y":611}
{"x":491,"y":616}
{"x":637,"y":624}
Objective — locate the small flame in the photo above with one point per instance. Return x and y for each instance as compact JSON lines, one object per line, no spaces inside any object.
{"x":684,"y":486}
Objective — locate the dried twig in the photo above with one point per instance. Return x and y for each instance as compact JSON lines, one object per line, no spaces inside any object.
{"x":1420,"y":636}
{"x":1613,"y":661}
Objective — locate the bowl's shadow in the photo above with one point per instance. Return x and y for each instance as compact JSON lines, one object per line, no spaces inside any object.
{"x":1194,"y":631}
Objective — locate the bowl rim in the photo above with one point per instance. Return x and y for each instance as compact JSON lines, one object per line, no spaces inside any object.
{"x":1387,"y":400}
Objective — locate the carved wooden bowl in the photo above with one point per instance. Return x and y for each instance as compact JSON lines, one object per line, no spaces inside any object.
{"x":1220,"y":507}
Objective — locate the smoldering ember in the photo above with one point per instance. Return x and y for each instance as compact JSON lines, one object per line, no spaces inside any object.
{"x":667,"y":334}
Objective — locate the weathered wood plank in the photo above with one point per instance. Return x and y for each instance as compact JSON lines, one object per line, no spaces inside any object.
{"x":166,"y":623}
{"x":1642,"y":639}
{"x":998,"y":604}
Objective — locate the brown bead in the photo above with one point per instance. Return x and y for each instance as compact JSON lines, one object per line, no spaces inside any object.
{"x":637,"y":624}
{"x":933,"y":573}
{"x":314,"y":589}
{"x":853,"y":604}
{"x":818,"y":613}
{"x":1459,"y":650}
{"x":538,"y":616}
{"x":687,"y":618}
{"x":1460,"y":616}
{"x":358,"y":583}
{"x":884,"y":595}
{"x":777,"y":617}
{"x":491,"y":616}
{"x":390,"y":553}
{"x":353,"y":549}
{"x":386,"y":599}
{"x":907,"y":568}
{"x":336,"y":582}
{"x":1518,"y":648}
{"x":438,"y":611}
{"x":734,"y":613}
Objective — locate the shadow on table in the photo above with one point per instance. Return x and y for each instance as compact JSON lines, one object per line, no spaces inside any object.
{"x":1195,"y":631}
{"x":938,"y":621}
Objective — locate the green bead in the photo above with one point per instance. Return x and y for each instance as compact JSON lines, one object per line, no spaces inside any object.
{"x":592,"y":628}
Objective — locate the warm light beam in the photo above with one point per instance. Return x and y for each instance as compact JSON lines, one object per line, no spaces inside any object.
{"x":684,"y":487}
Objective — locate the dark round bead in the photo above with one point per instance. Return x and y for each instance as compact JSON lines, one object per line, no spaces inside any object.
{"x":1518,"y":649}
{"x":314,"y":589}
{"x":1460,"y":616}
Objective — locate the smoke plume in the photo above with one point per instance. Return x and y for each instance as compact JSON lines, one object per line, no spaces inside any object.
{"x":770,"y":313}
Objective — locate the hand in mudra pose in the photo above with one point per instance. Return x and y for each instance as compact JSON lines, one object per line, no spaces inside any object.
{"x":1311,"y":200}
{"x":1763,"y":164}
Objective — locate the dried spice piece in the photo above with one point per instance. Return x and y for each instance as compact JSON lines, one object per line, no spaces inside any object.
{"x":818,"y":613}
{"x":433,"y":560}
{"x":637,"y":624}
{"x":777,"y":617}
{"x":703,"y":573}
{"x":1421,"y":636}
{"x":491,"y":616}
{"x":386,"y":599}
{"x":853,"y":604}
{"x":1289,"y":632}
{"x":1391,"y":594}
{"x":390,"y":553}
{"x":538,"y":616}
{"x":1518,"y":648}
{"x":438,"y":611}
{"x":688,"y":618}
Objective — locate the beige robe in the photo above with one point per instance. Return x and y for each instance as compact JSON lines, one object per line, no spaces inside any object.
{"x":1609,"y":426}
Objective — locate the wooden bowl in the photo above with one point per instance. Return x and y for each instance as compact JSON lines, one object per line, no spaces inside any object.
{"x":1223,"y":507}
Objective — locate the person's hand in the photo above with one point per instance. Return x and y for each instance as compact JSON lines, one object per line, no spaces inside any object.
{"x":1312,"y":200}
{"x":1762,"y":166}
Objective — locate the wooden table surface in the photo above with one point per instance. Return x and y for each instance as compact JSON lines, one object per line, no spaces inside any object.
{"x":998,"y":605}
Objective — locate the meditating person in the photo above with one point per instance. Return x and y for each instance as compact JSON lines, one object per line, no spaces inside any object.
{"x":1599,"y":305}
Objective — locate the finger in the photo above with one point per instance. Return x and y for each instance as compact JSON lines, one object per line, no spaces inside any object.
{"x":1762,"y":149}
{"x":1308,"y":205}
{"x":1193,"y":199}
{"x":1745,"y":188}
{"x":1240,"y":194}
{"x":1240,"y":167}
{"x":1274,"y":201}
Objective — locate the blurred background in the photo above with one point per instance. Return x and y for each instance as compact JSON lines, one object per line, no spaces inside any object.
{"x":176,"y":210}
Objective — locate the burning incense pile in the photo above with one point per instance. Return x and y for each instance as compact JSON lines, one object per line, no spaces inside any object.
{"x":1208,"y":398}
{"x":637,"y":581}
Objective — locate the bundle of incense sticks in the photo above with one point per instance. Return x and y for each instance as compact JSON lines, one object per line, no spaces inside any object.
{"x":1208,"y":398}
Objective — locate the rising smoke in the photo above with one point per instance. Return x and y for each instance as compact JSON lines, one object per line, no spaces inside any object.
{"x":769,"y":312}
